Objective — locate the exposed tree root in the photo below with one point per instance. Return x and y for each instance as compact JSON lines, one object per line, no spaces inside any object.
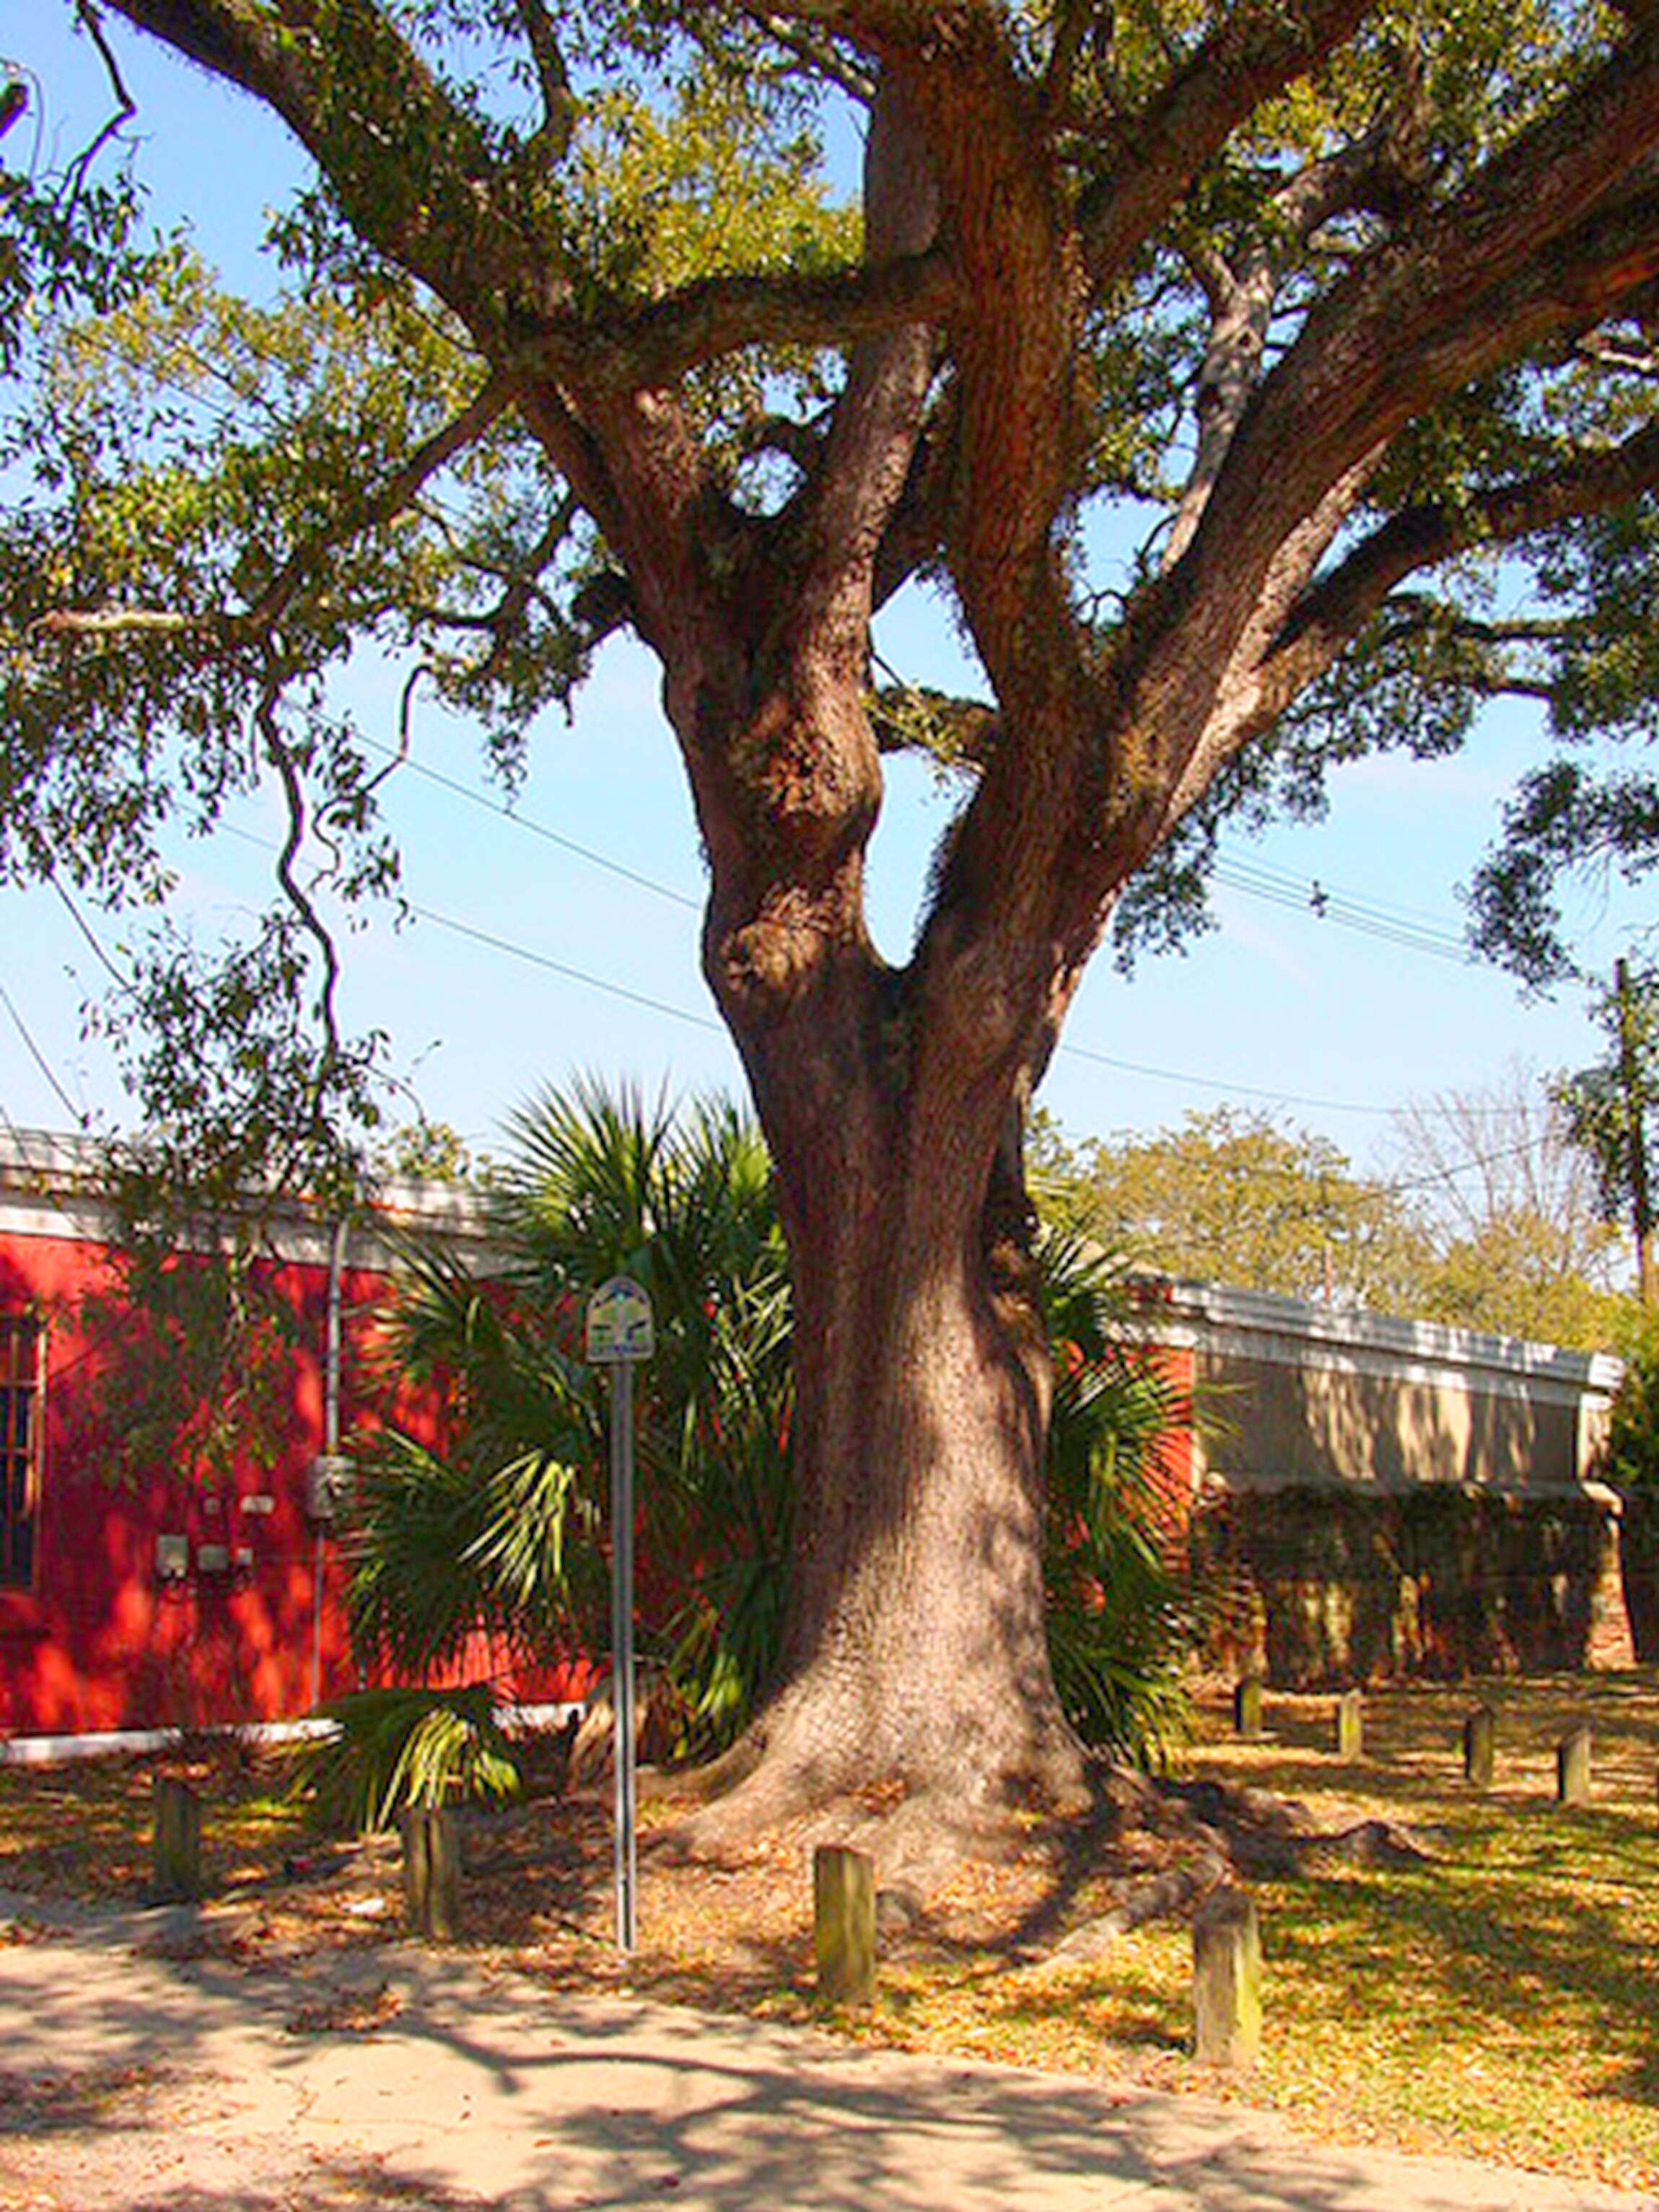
{"x":1172,"y":1842}
{"x":919,"y":1814}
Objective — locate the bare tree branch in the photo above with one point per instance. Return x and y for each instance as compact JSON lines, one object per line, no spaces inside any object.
{"x":280,"y":757}
{"x":86,"y":16}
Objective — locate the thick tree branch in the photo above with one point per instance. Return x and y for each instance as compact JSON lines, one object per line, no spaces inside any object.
{"x":847,"y":503}
{"x":1240,"y":309}
{"x":1523,"y":253}
{"x":818,"y":55}
{"x":1334,"y":612}
{"x":649,"y":346}
{"x":410,"y":165}
{"x":558,"y":105}
{"x":1148,"y":162}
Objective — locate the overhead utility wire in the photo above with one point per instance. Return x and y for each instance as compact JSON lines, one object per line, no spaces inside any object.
{"x":534,"y":958}
{"x":560,"y":968}
{"x":519,"y":951}
{"x":615,"y":990}
{"x":1210,"y":1083}
{"x":528,"y":822}
{"x":1332,"y":906}
{"x":76,"y":1113}
{"x":1305,"y":896}
{"x":682,"y":1014}
{"x":86,"y":929}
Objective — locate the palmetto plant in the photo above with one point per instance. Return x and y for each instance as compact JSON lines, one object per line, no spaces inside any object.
{"x":498,"y":1529}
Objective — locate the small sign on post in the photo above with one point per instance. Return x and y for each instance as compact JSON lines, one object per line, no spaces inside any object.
{"x":618,"y":1333}
{"x":620,"y":1328}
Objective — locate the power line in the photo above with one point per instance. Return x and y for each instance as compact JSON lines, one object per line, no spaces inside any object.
{"x":1326,"y":903}
{"x":613,"y":989}
{"x":560,"y":968}
{"x":1231,"y":1090}
{"x":75,"y":1112}
{"x":496,"y":943}
{"x":526,"y":821}
{"x":521,"y":951}
{"x":85,"y":928}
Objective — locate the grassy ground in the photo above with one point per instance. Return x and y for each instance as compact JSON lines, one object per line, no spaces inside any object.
{"x":1500,"y":1997}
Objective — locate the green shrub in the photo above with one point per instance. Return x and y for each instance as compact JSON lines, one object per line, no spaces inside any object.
{"x":393,"y":1748}
{"x":1634,"y":1431}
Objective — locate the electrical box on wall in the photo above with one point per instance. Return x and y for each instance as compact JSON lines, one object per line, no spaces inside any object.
{"x":172,"y":1559}
{"x":213,"y":1558}
{"x":331,"y":1487}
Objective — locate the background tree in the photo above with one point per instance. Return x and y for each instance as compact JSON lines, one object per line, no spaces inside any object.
{"x":1233,"y":1197}
{"x":1342,"y":307}
{"x":1486,"y":1219}
{"x":1508,"y":1206}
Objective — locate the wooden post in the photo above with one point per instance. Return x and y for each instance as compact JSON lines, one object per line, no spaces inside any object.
{"x":432,"y":1872}
{"x":1479,"y":1747}
{"x":844,"y":1924}
{"x":1226,"y":1980}
{"x":1572,"y":1766}
{"x":1247,"y":1707}
{"x":1350,"y":1725}
{"x":176,"y":1850}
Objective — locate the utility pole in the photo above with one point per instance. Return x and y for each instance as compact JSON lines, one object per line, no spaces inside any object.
{"x":1632,"y":1093}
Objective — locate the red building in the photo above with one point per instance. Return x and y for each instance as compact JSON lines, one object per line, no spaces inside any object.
{"x":159,"y":1572}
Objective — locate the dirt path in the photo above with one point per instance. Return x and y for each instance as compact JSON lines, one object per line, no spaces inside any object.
{"x":148,"y":2070}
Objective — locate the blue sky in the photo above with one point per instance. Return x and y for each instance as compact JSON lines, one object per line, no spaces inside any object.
{"x":1276,"y":1009}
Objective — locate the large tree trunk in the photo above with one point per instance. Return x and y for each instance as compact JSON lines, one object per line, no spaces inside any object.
{"x":915,"y":1675}
{"x":917,"y":1656}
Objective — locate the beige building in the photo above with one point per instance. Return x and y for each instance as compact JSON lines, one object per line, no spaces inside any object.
{"x":1385,"y":1496}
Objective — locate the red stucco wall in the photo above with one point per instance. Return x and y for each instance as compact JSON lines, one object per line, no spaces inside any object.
{"x":101,"y":1641}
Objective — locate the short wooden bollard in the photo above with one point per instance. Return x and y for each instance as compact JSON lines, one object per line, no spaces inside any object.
{"x":1247,"y":1707}
{"x":176,"y":1847}
{"x":1350,"y":1725}
{"x":432,"y":1872}
{"x":844,"y":1924}
{"x":1226,"y":1980}
{"x":1479,"y":1747}
{"x":1572,"y":1766}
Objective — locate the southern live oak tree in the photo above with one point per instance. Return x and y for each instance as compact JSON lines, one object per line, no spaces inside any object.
{"x":1344,"y":309}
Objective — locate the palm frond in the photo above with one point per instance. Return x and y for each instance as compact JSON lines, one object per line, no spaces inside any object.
{"x":393,"y":1748}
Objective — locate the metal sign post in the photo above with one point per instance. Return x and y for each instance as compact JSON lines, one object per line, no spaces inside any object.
{"x":618,"y":1335}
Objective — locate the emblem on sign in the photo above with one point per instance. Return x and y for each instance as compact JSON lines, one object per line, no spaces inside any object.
{"x":619,"y":1328}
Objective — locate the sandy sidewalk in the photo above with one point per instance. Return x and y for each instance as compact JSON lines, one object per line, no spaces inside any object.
{"x":137,"y":2082}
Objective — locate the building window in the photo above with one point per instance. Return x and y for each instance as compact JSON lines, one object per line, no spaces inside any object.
{"x":20,"y":1448}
